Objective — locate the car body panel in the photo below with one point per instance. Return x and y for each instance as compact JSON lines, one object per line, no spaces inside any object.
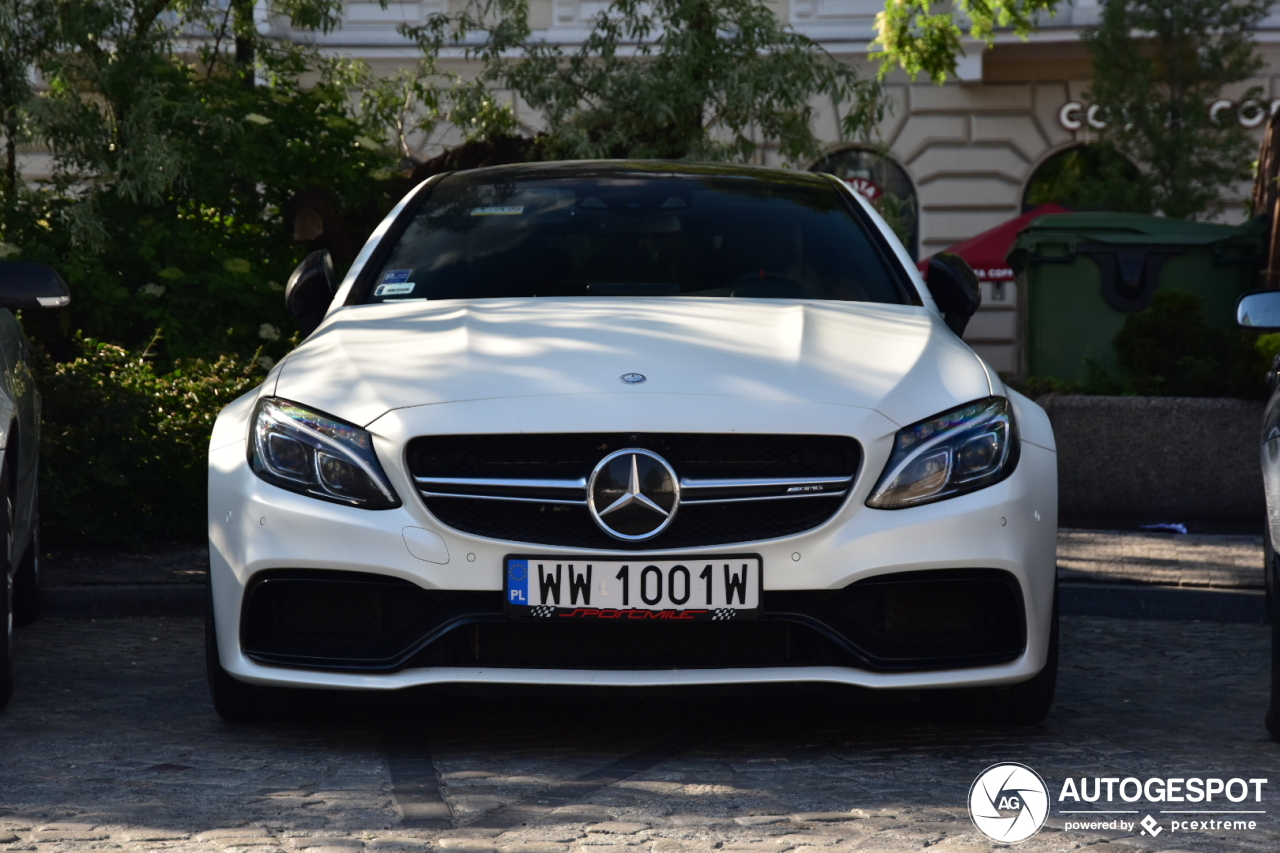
{"x":1033,"y":421}
{"x":20,"y":421}
{"x":1012,"y":525}
{"x":1271,"y":484}
{"x":367,"y":360}
{"x":553,"y":365}
{"x":276,"y":529}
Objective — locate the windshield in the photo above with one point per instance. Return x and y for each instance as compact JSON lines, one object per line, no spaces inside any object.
{"x":479,"y":236}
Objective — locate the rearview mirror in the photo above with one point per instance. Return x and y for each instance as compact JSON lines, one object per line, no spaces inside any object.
{"x":955,"y":288}
{"x":311,"y":289}
{"x":1259,"y":310}
{"x":28,"y":285}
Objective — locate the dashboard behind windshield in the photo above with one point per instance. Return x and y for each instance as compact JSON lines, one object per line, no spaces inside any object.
{"x":634,"y":235}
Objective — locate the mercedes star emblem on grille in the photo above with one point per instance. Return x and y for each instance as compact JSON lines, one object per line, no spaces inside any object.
{"x":632,"y":378}
{"x":633,"y":494}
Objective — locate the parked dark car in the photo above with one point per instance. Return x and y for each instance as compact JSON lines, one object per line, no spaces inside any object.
{"x":1261,"y":311}
{"x":22,"y":285}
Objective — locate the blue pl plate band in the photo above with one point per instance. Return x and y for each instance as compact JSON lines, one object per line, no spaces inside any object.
{"x":518,"y":581}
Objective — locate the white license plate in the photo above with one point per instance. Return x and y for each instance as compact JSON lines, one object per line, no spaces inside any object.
{"x":686,"y":588}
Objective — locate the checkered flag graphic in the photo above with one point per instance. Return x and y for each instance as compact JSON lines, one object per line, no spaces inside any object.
{"x":542,"y":611}
{"x":722,"y":613}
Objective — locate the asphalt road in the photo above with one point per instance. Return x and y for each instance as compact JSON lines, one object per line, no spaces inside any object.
{"x":110,"y":743}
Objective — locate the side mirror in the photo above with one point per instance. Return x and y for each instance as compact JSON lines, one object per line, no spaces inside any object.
{"x":311,"y":289}
{"x":28,"y":285}
{"x":1260,"y":310}
{"x":955,"y":288}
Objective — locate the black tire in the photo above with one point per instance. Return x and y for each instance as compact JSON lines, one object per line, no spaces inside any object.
{"x":1022,"y":704}
{"x":1031,"y":700}
{"x":6,"y":640}
{"x":234,"y":700}
{"x":6,"y":587}
{"x":26,"y":582}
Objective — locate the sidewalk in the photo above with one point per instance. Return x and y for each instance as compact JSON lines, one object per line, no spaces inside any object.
{"x":1167,"y":559}
{"x":1212,"y":577}
{"x":1141,"y":574}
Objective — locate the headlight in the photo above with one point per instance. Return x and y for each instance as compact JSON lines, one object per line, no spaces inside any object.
{"x":304,"y":451}
{"x":952,"y":453}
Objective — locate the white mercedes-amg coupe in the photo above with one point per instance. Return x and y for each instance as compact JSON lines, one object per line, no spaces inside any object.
{"x":634,"y":425}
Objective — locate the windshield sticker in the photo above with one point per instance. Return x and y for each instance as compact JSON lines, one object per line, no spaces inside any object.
{"x":497,"y":211}
{"x":394,"y":289}
{"x":396,"y":276}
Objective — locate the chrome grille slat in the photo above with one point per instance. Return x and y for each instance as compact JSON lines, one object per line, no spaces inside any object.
{"x":761,"y":482}
{"x":559,"y":501}
{"x":697,"y":502}
{"x":541,"y":490}
{"x":515,"y":483}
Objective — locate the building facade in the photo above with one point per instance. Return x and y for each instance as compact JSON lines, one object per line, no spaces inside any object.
{"x":961,"y":156}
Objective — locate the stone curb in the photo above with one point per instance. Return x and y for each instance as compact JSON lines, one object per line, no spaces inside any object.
{"x":1126,"y":601}
{"x":1134,"y":601}
{"x":122,"y":602}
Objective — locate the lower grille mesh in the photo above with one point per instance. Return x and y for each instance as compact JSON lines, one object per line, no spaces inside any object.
{"x":913,"y":621}
{"x":692,"y":454}
{"x":585,"y":645}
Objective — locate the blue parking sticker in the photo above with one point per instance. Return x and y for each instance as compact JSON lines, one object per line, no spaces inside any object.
{"x":518,"y":582}
{"x":396,"y":276}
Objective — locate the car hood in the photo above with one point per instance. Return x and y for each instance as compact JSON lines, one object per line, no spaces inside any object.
{"x":365,"y":360}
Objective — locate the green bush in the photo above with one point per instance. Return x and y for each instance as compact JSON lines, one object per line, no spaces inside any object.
{"x":207,"y":259}
{"x":124,"y":447}
{"x":1169,"y":350}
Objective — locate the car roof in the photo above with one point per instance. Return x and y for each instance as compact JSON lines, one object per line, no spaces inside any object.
{"x":604,"y":169}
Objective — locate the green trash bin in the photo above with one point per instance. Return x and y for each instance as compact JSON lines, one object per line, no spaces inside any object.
{"x":1081,"y":274}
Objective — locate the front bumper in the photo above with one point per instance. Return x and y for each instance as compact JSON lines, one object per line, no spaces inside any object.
{"x":255,"y":527}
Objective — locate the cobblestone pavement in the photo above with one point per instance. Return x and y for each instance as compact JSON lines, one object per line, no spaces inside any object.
{"x":1203,"y":560}
{"x":110,"y":743}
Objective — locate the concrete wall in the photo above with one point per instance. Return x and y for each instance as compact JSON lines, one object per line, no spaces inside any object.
{"x":1157,"y":459}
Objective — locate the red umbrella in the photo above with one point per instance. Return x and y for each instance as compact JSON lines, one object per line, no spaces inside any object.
{"x":985,"y":252}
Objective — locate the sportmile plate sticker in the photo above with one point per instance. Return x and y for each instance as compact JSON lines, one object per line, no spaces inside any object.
{"x":710,"y":588}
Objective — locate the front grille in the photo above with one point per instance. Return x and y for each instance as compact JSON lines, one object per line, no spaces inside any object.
{"x":532,"y":488}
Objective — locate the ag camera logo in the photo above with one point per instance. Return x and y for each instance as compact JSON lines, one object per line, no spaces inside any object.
{"x":1008,"y":802}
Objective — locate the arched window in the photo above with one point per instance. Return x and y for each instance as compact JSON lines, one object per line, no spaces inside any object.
{"x":884,"y":183}
{"x":1087,"y":177}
